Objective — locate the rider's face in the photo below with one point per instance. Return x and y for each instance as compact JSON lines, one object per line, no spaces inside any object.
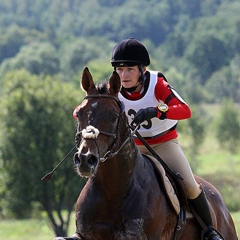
{"x":129,"y":76}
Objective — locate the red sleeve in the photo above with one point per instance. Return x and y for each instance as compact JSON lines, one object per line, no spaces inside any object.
{"x":177,"y":110}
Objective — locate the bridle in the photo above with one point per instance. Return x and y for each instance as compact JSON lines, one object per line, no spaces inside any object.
{"x":111,"y":153}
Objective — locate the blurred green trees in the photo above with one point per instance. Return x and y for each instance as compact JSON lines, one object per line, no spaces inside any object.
{"x":198,"y":38}
{"x":228,"y":128}
{"x":37,"y":130}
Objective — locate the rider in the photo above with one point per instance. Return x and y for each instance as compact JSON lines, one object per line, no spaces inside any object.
{"x":150,"y":100}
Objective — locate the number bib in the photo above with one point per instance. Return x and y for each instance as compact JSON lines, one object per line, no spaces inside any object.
{"x":153,"y":126}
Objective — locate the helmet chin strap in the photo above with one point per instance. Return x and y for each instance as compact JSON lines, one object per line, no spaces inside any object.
{"x":132,"y":89}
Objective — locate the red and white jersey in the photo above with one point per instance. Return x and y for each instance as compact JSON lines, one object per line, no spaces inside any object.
{"x":154,"y":126}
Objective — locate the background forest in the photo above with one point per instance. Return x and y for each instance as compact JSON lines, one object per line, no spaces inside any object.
{"x":44,"y":46}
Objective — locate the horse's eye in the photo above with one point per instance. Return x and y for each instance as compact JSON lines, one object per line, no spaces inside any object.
{"x":114,"y":117}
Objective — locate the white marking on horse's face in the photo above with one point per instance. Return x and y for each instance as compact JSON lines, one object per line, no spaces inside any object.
{"x":94,"y":105}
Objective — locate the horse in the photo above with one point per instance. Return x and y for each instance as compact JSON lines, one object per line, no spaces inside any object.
{"x":122,"y":198}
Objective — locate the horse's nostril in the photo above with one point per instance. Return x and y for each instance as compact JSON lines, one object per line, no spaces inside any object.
{"x":92,"y":161}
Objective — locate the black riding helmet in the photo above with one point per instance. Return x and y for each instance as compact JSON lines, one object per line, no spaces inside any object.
{"x":130,"y":52}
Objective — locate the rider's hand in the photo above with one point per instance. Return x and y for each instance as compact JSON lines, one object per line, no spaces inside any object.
{"x":144,"y":114}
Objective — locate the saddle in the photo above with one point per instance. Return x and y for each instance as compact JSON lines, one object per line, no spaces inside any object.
{"x":166,"y":182}
{"x":172,"y":180}
{"x":175,"y":193}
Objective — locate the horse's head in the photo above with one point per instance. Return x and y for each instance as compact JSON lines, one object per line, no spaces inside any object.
{"x":99,"y":120}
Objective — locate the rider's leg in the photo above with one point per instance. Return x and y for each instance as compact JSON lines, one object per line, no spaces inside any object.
{"x":172,"y":154}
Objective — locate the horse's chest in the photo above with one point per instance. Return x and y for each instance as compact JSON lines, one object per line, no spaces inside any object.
{"x":129,"y":229}
{"x":112,"y":221}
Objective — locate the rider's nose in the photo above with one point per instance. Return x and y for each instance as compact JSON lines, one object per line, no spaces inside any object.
{"x":124,"y":74}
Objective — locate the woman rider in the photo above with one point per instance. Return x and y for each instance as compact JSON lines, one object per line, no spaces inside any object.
{"x":150,"y":100}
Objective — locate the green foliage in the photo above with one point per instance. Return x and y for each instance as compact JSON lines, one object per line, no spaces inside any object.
{"x":228,"y":127}
{"x":11,"y":41}
{"x":207,"y":54}
{"x":225,"y":82}
{"x":100,"y":70}
{"x":75,"y":56}
{"x":14,"y":37}
{"x":196,"y":129}
{"x":196,"y":94}
{"x":37,"y":130}
{"x":197,"y":38}
{"x":37,"y":58}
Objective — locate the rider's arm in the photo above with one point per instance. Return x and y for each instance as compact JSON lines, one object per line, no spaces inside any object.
{"x":177,"y":108}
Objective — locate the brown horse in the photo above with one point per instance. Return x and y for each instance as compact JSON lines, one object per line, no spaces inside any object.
{"x":122,"y":199}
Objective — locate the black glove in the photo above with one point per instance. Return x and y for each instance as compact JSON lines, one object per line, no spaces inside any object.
{"x":144,"y":114}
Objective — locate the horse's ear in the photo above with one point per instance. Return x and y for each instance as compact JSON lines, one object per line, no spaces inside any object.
{"x":86,"y":82}
{"x":115,"y":83}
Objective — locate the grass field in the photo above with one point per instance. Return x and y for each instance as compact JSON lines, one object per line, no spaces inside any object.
{"x":236,"y":219}
{"x":39,"y":230}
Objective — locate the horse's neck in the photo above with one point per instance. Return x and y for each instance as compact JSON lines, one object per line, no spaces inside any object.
{"x":114,"y":174}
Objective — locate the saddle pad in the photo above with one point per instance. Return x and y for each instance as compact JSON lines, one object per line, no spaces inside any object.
{"x":166,"y":183}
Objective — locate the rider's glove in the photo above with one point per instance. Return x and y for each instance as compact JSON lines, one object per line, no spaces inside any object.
{"x":144,"y":114}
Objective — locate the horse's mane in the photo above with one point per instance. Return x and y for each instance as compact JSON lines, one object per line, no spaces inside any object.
{"x":102,"y":87}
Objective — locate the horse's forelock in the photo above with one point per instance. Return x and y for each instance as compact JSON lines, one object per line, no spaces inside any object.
{"x":102,"y":87}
